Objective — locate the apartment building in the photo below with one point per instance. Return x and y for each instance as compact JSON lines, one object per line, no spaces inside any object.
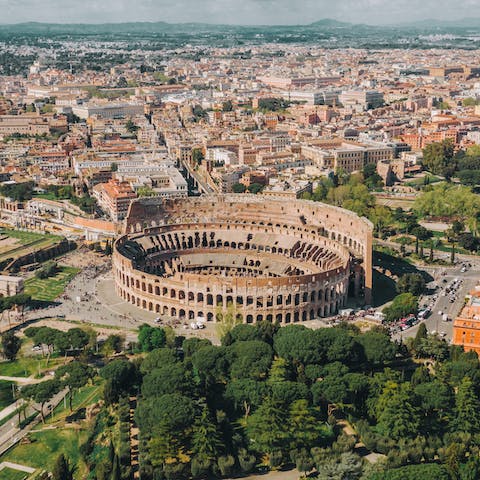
{"x":114,"y":198}
{"x":365,"y":99}
{"x":346,"y":156}
{"x":466,"y":327}
{"x":108,"y":110}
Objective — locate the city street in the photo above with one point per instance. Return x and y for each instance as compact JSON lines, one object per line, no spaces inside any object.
{"x":440,"y":301}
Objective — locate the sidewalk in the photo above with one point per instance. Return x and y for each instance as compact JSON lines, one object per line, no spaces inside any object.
{"x":13,"y":435}
{"x":10,"y":409}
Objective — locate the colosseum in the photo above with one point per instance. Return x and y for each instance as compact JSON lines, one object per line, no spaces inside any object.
{"x":270,"y":258}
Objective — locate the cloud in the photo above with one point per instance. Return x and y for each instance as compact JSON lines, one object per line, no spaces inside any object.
{"x":233,"y":11}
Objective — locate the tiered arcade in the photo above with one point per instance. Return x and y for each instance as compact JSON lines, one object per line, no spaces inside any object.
{"x":267,"y":259}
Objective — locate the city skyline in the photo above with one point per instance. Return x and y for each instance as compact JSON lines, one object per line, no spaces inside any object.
{"x":249,"y":12}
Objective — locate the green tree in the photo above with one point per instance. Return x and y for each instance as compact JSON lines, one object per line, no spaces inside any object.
{"x":62,"y":469}
{"x":197,"y":156}
{"x":227,"y":106}
{"x":77,"y":338}
{"x":150,"y":338}
{"x":438,"y":158}
{"x":113,"y":344}
{"x":377,"y":347}
{"x":402,"y":305}
{"x":266,"y":427}
{"x":467,"y":405}
{"x":226,"y":465}
{"x":396,"y":413}
{"x":413,"y":283}
{"x":245,"y":394}
{"x":121,"y":376}
{"x":165,"y":379}
{"x":255,"y":188}
{"x":166,"y":422}
{"x":116,"y":469}
{"x":206,"y":440}
{"x":250,"y":359}
{"x":131,"y":127}
{"x":419,"y":337}
{"x":10,"y":345}
{"x":421,"y":234}
{"x":227,"y":319}
{"x":347,"y":466}
{"x":306,"y":431}
{"x":41,"y":393}
{"x":74,"y":375}
{"x":238,"y":188}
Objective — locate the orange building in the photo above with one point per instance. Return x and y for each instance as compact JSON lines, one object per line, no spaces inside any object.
{"x":466,"y":327}
{"x":114,"y":198}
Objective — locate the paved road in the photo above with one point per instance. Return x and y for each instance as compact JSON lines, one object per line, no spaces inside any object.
{"x":202,"y":184}
{"x":11,"y":434}
{"x":10,"y":409}
{"x":441,"y":302}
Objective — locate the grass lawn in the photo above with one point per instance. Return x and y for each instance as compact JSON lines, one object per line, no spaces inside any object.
{"x":10,"y":474}
{"x":48,"y":289}
{"x":81,"y":399}
{"x":26,"y":242}
{"x":27,"y":366}
{"x":47,"y":196}
{"x":6,"y":397}
{"x":46,"y":446}
{"x":420,"y":180}
{"x":26,"y":237}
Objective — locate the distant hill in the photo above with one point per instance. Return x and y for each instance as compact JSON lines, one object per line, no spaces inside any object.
{"x":327,"y":26}
{"x":329,"y":22}
{"x":36,"y":27}
{"x":473,"y":22}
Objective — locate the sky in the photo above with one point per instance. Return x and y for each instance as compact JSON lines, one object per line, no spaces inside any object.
{"x":235,"y":11}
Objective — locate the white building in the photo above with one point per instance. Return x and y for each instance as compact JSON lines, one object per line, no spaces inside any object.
{"x":108,"y":110}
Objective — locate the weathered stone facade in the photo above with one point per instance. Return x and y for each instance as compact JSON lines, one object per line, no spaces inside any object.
{"x":272,"y":259}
